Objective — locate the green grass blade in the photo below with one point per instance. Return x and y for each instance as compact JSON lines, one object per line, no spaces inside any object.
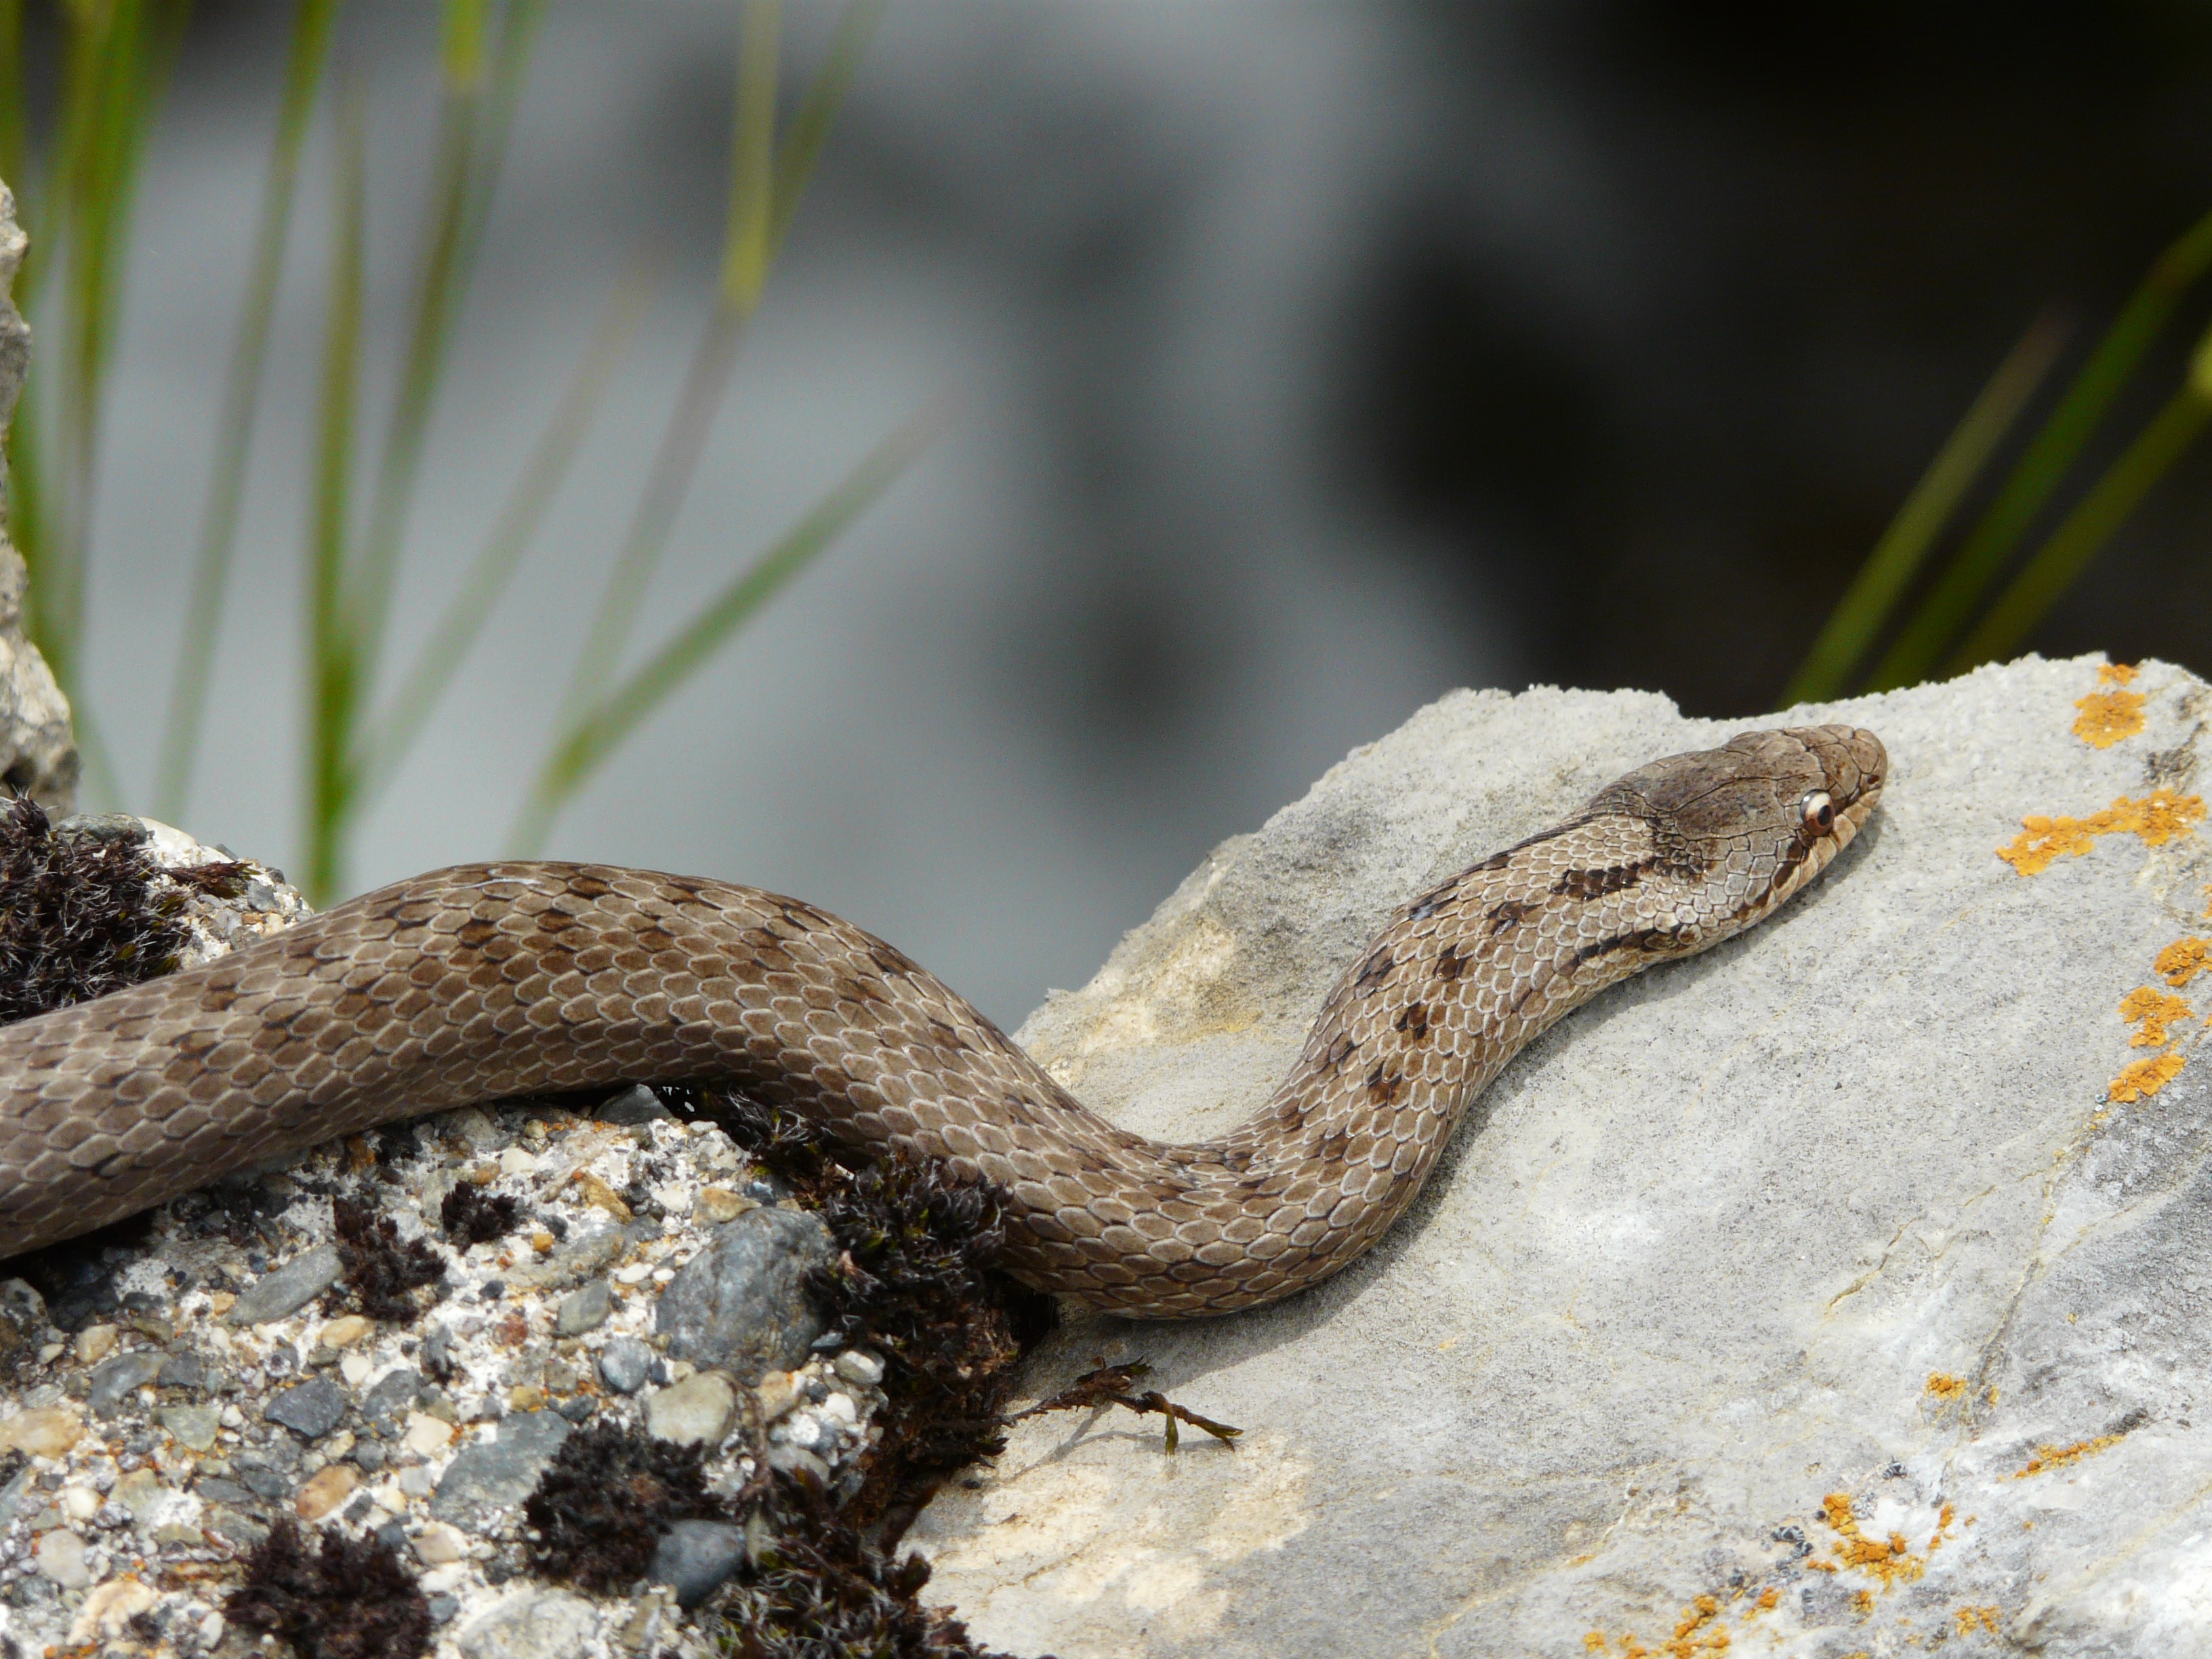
{"x":119,"y":54}
{"x":666,"y":485}
{"x":433,"y":670}
{"x":428,"y":333}
{"x":2059,"y":563}
{"x":312,"y":26}
{"x":2046,"y":462}
{"x":745,"y":250}
{"x":585,"y":746}
{"x":763,"y":199}
{"x":332,"y":665}
{"x":818,"y":110}
{"x":27,"y":501}
{"x":1865,"y":608}
{"x":461,"y":44}
{"x":470,"y":144}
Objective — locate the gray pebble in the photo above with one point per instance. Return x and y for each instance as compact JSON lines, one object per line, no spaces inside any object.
{"x":627,"y":1365}
{"x":584,"y":1311}
{"x":112,"y":1380}
{"x":394,"y":1394}
{"x":214,"y":1490}
{"x":288,"y":1289}
{"x":264,"y":1482}
{"x":858,"y":1366}
{"x":636,"y":1104}
{"x":189,"y":1370}
{"x":739,"y":1304}
{"x":194,"y":1426}
{"x":438,"y":1350}
{"x":309,"y":1411}
{"x":488,"y":1475}
{"x":695,"y":1557}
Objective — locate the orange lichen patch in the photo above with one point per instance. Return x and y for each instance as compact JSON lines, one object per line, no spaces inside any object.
{"x":1862,"y":1603}
{"x":2048,"y":1458}
{"x":1973,"y":1618}
{"x":1944,"y":1386}
{"x":2183,"y":960}
{"x":1890,"y":1559}
{"x":2152,"y":1011}
{"x":1768,"y":1598}
{"x":1699,"y":1630}
{"x":2118,"y":673}
{"x":2142,"y":1079}
{"x":2108,"y":716}
{"x":2158,"y":817}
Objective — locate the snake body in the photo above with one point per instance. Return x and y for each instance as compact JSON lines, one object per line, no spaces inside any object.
{"x":493,"y":980}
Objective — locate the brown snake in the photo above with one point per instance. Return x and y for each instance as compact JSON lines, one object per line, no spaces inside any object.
{"x":493,"y":979}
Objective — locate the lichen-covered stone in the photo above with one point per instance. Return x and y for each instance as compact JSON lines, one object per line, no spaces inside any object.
{"x":37,"y":747}
{"x":1821,"y":1294}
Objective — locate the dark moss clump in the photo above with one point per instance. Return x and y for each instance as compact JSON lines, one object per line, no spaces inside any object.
{"x":815,"y":1590}
{"x":80,"y":915}
{"x":470,"y":1215}
{"x":352,"y":1599}
{"x":600,"y":1508}
{"x":378,"y":1275}
{"x":917,"y":1279}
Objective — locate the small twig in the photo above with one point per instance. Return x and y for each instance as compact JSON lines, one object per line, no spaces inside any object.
{"x":1108,"y":1385}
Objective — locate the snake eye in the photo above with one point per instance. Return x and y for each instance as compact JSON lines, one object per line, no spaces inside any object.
{"x":1819,"y":812}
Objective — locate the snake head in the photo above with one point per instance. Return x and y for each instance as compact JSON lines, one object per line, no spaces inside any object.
{"x":1751,"y":823}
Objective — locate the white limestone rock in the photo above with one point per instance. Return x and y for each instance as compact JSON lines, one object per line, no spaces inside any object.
{"x":38,"y":746}
{"x":1810,"y":1297}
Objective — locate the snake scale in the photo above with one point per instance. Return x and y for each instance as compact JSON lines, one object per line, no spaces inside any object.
{"x":492,"y":980}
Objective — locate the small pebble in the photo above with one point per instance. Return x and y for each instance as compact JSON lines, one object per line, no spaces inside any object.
{"x":719,"y":1203}
{"x":95,"y":1343}
{"x":325,"y":1490}
{"x":777,"y":1392}
{"x":61,"y":1559}
{"x":627,"y":1365}
{"x":857,"y":1366}
{"x":440,"y":1544}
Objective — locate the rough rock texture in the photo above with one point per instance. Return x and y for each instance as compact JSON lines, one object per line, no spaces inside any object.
{"x":1841,"y":1290}
{"x":185,"y":1384}
{"x":37,"y":747}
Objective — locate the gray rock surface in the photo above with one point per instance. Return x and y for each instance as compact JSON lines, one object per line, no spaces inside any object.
{"x":1812,"y":1297}
{"x":37,"y":747}
{"x":739,"y":1304}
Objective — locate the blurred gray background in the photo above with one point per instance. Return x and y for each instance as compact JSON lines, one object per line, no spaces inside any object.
{"x":1309,"y":360}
